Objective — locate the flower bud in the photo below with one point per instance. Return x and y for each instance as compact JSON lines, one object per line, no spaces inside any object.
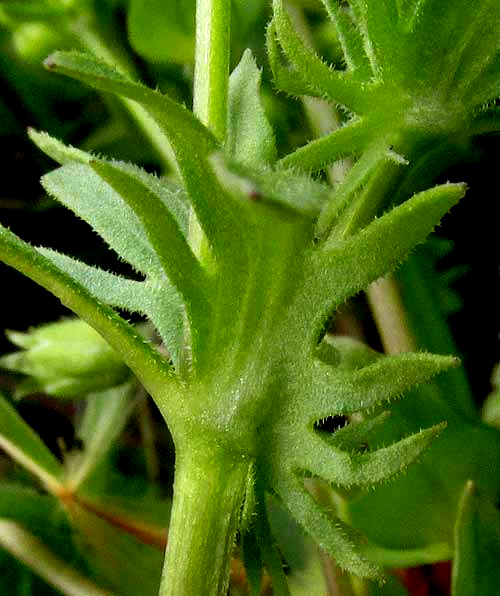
{"x":64,"y":359}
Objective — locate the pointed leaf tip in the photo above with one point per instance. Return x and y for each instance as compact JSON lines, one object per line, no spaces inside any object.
{"x":250,"y":138}
{"x":348,"y":265}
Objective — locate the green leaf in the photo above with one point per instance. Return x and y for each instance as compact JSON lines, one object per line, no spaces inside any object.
{"x":192,"y":143}
{"x":377,"y":19}
{"x":280,"y":189}
{"x":352,"y":138}
{"x":16,"y":13}
{"x":285,"y":79}
{"x":105,"y":286}
{"x":362,"y":469}
{"x":26,"y":505}
{"x":349,"y":37}
{"x":106,"y":414}
{"x":380,"y":247}
{"x":167,"y":241}
{"x":331,"y":391}
{"x":337,"y":86}
{"x":146,"y":362}
{"x":121,"y":227}
{"x":57,"y":150}
{"x":154,"y":297}
{"x":477,"y":545}
{"x":83,"y":191}
{"x":329,"y":532}
{"x":250,"y":138}
{"x":41,"y":560}
{"x":24,"y":446}
{"x":162,"y":31}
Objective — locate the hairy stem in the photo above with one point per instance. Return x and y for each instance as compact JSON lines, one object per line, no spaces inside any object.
{"x":209,"y":485}
{"x":208,"y":492}
{"x":211,"y":80}
{"x":211,"y":72}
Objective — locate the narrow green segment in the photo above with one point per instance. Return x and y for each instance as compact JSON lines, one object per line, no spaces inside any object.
{"x":19,"y":440}
{"x":154,"y":297}
{"x":105,"y":286}
{"x":329,"y":532}
{"x":146,"y":363}
{"x":330,"y":391}
{"x":192,"y":143}
{"x":57,"y":150}
{"x":167,"y":240}
{"x":350,"y":39}
{"x":337,"y":86}
{"x":342,"y":268}
{"x":79,"y":188}
{"x":286,"y":79}
{"x":363,"y":469}
{"x":354,"y":137}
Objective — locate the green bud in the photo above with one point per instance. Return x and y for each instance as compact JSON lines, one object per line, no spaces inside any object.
{"x":64,"y":359}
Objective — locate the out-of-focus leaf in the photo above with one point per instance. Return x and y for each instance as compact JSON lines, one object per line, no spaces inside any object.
{"x":26,"y":505}
{"x":463,"y":450}
{"x":162,"y":31}
{"x":491,"y":407}
{"x":427,"y":296}
{"x":37,"y":556}
{"x":305,"y":572}
{"x":105,"y":416}
{"x":119,"y":560}
{"x":476,"y":571}
{"x":26,"y":447}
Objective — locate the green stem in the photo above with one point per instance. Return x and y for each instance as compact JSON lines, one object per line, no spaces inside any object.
{"x":211,"y":71}
{"x":209,"y":490}
{"x":211,"y":80}
{"x":390,"y":316}
{"x":209,"y":484}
